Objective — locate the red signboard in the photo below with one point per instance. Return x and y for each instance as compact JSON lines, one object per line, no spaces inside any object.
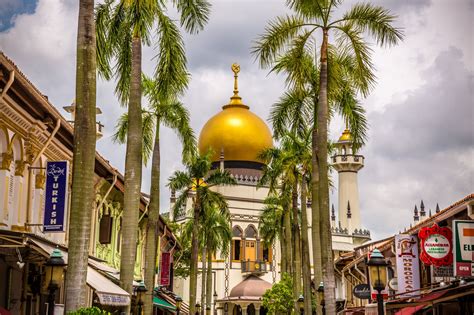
{"x":436,"y":245}
{"x":165,"y":269}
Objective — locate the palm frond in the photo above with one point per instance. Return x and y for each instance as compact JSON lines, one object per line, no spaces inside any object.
{"x":219,"y":177}
{"x":194,"y":14}
{"x":179,"y":181}
{"x":375,"y":20}
{"x":171,"y":75}
{"x":277,"y":35}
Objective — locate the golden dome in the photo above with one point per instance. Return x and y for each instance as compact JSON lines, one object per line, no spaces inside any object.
{"x":346,"y":136}
{"x":236,"y":131}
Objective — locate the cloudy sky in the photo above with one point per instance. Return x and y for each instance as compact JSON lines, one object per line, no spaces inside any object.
{"x":421,"y":113}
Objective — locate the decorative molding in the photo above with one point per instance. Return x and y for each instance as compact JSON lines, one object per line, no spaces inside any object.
{"x":244,"y":217}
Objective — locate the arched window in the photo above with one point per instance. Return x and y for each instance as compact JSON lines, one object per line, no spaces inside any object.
{"x":251,"y":243}
{"x":237,"y":243}
{"x":4,"y":172}
{"x":250,"y":232}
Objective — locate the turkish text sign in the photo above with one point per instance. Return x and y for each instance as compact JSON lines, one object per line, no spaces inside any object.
{"x":408,"y":267}
{"x":55,"y":196}
{"x":463,"y":248}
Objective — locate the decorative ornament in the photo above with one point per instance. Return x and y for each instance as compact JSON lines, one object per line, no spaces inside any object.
{"x":436,"y":245}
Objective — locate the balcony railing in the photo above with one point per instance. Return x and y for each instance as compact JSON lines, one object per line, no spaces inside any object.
{"x":254,"y":266}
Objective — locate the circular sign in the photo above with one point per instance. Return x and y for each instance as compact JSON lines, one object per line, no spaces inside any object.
{"x":437,"y":246}
{"x":362,"y":291}
{"x":393,"y":284}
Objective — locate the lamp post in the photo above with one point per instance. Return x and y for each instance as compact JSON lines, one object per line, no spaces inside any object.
{"x":378,"y":276}
{"x":215,"y":302}
{"x":301,"y":303}
{"x":140,"y":291}
{"x":198,"y":308}
{"x":178,"y":300}
{"x":54,"y":272}
{"x":321,"y":297}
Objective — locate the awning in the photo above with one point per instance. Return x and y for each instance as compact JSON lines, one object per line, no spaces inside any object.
{"x":163,"y":304}
{"x":108,"y":292}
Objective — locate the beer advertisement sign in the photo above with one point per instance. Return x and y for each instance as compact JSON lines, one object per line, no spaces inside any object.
{"x":408,"y":267}
{"x":463,"y":248}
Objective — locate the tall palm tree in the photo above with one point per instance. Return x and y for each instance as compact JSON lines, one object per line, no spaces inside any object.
{"x":122,"y":27}
{"x":197,"y":181}
{"x":82,"y":198}
{"x":172,"y":114}
{"x":349,"y":30}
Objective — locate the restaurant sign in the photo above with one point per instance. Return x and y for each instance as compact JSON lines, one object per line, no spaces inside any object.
{"x":463,"y":248}
{"x":408,"y":267}
{"x":436,"y":245}
{"x":55,"y":196}
{"x":362,"y":291}
{"x":165,"y":269}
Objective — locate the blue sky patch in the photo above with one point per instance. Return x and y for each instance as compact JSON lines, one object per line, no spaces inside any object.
{"x":11,"y":8}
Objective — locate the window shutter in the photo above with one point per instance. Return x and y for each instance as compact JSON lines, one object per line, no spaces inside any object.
{"x":105,"y":229}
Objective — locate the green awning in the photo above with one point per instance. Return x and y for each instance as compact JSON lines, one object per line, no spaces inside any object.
{"x":163,"y":304}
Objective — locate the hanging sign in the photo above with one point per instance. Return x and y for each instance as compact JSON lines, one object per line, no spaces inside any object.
{"x":463,"y":248}
{"x":55,"y":196}
{"x":165,"y":269}
{"x":362,"y":291}
{"x":436,"y":245}
{"x":408,"y":268}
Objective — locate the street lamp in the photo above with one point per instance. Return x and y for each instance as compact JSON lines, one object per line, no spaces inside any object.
{"x":178,"y":300}
{"x":140,"y":291}
{"x":215,"y":302}
{"x":301,"y":303}
{"x":378,"y":276}
{"x":54,"y":272}
{"x":321,"y":296}
{"x":198,"y":308}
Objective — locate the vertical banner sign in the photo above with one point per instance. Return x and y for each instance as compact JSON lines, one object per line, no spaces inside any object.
{"x":165,"y":269}
{"x":408,"y":267}
{"x":55,"y":196}
{"x":463,"y":248}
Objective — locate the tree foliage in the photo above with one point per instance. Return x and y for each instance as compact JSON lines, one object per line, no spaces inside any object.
{"x":279,"y":299}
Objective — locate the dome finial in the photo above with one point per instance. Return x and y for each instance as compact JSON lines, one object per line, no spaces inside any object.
{"x":236,"y":100}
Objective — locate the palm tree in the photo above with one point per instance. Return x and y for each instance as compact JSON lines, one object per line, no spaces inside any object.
{"x":174,"y":115}
{"x":122,"y":27}
{"x":82,"y":198}
{"x":349,"y":29}
{"x":197,"y":181}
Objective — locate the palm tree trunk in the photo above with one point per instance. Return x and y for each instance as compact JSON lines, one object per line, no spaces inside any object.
{"x":152,"y":227}
{"x":296,"y":246}
{"x":288,"y":243}
{"x":83,"y":194}
{"x":209,"y":282}
{"x":194,"y":256}
{"x":315,"y":214}
{"x":283,"y":258}
{"x":325,"y":224}
{"x":203,"y":278}
{"x":133,"y":173}
{"x":305,"y":250}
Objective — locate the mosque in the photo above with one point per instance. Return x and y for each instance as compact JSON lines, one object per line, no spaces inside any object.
{"x":237,"y":136}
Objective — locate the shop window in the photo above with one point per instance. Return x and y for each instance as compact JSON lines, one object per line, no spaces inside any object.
{"x":105,"y":229}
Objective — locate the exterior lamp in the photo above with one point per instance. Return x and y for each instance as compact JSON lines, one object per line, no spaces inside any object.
{"x":198,"y":308}
{"x":54,"y":274}
{"x":321,"y":296}
{"x":301,"y":303}
{"x":178,"y":300}
{"x":208,"y":310}
{"x":140,"y":291}
{"x":378,"y":276}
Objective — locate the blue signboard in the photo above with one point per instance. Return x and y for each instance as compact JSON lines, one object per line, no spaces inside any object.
{"x":55,"y":196}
